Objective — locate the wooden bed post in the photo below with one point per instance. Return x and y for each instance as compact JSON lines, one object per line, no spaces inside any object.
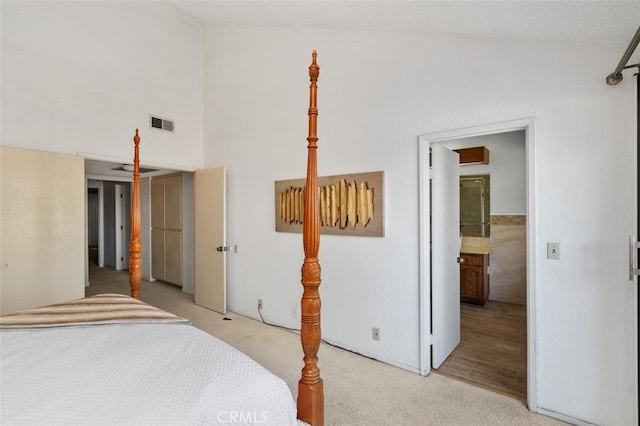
{"x":310,"y":386}
{"x":135,"y":244}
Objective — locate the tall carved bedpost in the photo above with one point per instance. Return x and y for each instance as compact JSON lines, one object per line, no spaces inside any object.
{"x":310,"y":386}
{"x":135,"y":245}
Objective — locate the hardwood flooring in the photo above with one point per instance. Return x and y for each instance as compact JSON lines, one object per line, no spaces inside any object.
{"x":493,"y":348}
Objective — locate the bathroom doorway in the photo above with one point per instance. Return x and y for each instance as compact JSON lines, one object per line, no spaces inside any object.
{"x":493,"y":212}
{"x":503,"y":322}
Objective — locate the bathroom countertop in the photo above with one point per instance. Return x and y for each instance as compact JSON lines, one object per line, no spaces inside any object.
{"x":475,"y":250}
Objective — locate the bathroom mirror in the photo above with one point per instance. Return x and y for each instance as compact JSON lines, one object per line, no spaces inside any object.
{"x":475,"y":208}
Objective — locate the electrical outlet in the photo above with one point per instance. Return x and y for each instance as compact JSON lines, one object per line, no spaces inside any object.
{"x":294,"y":313}
{"x":259,"y":303}
{"x":375,"y":333}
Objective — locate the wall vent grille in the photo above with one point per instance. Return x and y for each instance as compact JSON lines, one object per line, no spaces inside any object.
{"x":161,"y":124}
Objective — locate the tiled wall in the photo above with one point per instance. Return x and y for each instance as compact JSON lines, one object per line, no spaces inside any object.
{"x":508,"y":279}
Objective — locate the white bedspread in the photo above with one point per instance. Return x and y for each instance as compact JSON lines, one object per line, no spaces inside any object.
{"x":156,"y":374}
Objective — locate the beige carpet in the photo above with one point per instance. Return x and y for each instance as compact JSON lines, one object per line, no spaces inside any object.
{"x":358,"y":390}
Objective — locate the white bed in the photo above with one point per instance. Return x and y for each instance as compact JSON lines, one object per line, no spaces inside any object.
{"x":142,"y":370}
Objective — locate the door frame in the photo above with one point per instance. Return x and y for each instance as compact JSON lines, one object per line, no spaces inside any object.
{"x":425,"y":340}
{"x":119,"y":223}
{"x":98,"y":184}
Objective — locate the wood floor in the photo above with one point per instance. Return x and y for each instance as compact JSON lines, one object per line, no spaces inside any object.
{"x":493,"y":348}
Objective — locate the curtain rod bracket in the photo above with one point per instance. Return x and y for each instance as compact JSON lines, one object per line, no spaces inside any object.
{"x":616,"y":76}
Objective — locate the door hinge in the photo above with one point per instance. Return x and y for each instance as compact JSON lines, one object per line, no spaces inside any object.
{"x":634,"y":246}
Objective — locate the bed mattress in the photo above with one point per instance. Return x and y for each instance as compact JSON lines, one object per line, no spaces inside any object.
{"x":161,"y":373}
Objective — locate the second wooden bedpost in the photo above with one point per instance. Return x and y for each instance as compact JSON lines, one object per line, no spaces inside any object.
{"x":135,"y":244}
{"x":310,"y":386}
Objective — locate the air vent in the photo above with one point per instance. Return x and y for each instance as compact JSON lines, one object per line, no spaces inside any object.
{"x":161,"y":124}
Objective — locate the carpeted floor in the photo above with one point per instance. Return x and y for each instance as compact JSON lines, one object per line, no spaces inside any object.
{"x":358,"y":390}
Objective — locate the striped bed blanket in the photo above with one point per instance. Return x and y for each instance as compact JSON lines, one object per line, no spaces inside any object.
{"x":94,"y":310}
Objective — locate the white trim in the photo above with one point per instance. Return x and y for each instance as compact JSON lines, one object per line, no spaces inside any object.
{"x":86,"y":233}
{"x":358,"y":351}
{"x":564,"y":418}
{"x":109,"y":178}
{"x":425,"y":338}
{"x":100,"y":260}
{"x":528,"y":125}
{"x":122,"y":160}
{"x":119,"y":228}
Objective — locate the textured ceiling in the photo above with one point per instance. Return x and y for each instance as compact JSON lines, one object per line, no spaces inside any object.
{"x":609,"y":21}
{"x":581,"y":20}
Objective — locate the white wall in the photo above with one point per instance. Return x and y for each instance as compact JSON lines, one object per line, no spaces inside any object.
{"x":81,"y":76}
{"x":377,"y":93}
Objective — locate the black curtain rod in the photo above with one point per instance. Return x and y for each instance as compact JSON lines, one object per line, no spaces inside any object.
{"x":616,"y":76}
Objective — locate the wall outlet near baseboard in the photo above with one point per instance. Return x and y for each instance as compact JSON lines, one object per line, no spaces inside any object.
{"x":375,"y":333}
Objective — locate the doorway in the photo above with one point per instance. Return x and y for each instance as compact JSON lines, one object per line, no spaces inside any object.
{"x":493,"y":347}
{"x":526,"y":126}
{"x":107,"y":226}
{"x":93,"y":225}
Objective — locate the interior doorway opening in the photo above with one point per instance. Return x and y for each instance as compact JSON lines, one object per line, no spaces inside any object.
{"x":510,"y":219}
{"x":493,"y":347}
{"x":107,"y":225}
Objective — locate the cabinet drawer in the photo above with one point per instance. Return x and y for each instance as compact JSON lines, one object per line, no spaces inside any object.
{"x":472,"y":259}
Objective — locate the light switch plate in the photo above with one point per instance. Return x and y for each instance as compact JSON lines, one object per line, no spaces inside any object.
{"x":553,"y":251}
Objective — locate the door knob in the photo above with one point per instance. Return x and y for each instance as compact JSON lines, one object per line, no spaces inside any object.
{"x":222,"y":248}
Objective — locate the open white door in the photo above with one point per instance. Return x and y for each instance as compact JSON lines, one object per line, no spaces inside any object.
{"x":445,"y":252}
{"x":210,"y":239}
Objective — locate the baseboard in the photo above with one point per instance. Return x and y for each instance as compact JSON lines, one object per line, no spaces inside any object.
{"x":563,"y":417}
{"x":375,"y":357}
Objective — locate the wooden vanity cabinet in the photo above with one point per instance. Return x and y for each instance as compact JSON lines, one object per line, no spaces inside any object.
{"x":474,"y":278}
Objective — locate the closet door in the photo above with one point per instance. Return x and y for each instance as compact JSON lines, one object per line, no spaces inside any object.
{"x":166,"y":223}
{"x":173,"y":202}
{"x":173,"y":256}
{"x":157,"y":228}
{"x":157,"y":254}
